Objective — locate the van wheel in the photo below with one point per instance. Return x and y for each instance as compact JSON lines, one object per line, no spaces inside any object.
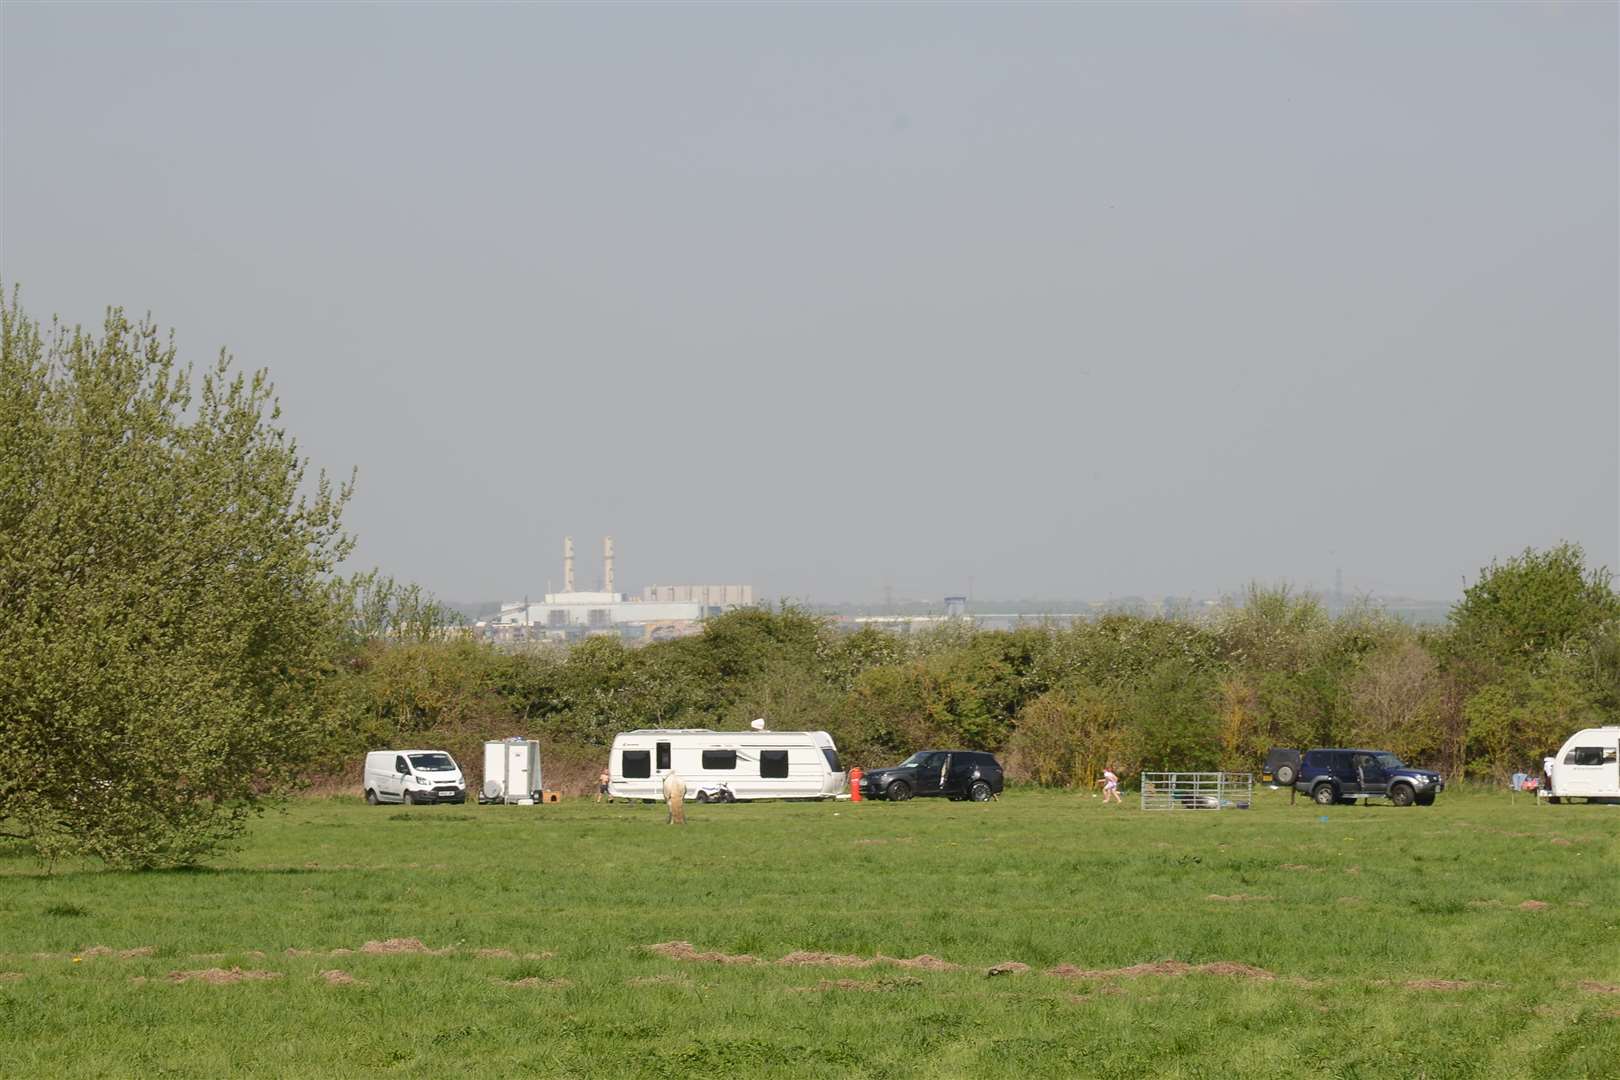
{"x":406,"y":798}
{"x":899,"y":791}
{"x":1284,"y":775}
{"x":1402,"y":795}
{"x":980,"y":791}
{"x":371,"y":797}
{"x":1323,"y":795}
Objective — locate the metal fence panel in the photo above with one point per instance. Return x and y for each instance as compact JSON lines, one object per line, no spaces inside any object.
{"x":1197,"y":791}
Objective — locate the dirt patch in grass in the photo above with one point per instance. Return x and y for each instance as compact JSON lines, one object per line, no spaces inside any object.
{"x":922,"y":963}
{"x":10,"y":976}
{"x":1560,"y":841}
{"x":1163,"y":967}
{"x":222,"y":976}
{"x":868,"y":986}
{"x":659,"y":980}
{"x":398,"y":946}
{"x":1600,"y":988}
{"x":1008,"y":967}
{"x":1534,"y":905}
{"x":685,"y":950}
{"x":95,"y":951}
{"x":1449,"y":984}
{"x":335,"y":977}
{"x":1238,"y":898}
{"x":496,"y":954}
{"x":1300,"y":866}
{"x":803,"y":958}
{"x":534,"y":982}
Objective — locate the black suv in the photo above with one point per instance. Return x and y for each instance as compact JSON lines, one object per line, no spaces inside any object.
{"x":1331,"y":776}
{"x":959,"y":774}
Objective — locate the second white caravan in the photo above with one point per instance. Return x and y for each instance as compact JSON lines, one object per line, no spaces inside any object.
{"x":1587,"y":767}
{"x":746,"y":764}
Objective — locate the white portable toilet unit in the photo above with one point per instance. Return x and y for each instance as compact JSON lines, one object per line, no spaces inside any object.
{"x":511,"y":771}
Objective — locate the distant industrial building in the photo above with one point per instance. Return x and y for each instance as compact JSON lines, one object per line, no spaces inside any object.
{"x":662,"y":611}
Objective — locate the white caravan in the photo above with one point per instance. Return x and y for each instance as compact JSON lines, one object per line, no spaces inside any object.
{"x":1587,"y":766}
{"x":726,"y":764}
{"x":413,"y":776}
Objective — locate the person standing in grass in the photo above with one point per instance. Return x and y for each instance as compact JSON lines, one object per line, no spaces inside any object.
{"x":602,"y":785}
{"x":1110,"y":783}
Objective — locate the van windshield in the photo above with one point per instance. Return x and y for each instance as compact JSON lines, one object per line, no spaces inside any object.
{"x":432,"y":763}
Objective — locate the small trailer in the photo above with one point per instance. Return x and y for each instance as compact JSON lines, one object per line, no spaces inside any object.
{"x":1587,"y":767}
{"x":726,"y":766}
{"x":511,"y":772}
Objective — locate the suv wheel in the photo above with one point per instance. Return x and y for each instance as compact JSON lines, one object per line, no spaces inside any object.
{"x":1323,"y":794}
{"x":980,"y":791}
{"x":1426,"y":799}
{"x":899,"y":791}
{"x":1402,"y":795}
{"x":1284,"y":775}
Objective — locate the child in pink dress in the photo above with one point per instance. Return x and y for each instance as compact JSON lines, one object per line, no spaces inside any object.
{"x":1110,"y":784}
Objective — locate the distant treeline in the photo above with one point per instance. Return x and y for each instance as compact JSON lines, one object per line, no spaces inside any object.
{"x":1531,"y":653}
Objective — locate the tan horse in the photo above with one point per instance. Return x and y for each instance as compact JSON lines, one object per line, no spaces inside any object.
{"x":675,"y":796}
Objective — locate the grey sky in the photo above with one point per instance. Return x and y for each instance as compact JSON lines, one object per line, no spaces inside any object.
{"x":1068,"y":301}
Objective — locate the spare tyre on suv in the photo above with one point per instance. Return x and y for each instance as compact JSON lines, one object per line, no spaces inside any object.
{"x":1332,"y":776}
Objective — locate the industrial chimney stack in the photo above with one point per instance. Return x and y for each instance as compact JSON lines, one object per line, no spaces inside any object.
{"x":607,"y":564}
{"x":568,"y":564}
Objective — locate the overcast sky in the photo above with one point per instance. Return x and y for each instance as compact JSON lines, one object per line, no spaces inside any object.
{"x":1080,"y":301}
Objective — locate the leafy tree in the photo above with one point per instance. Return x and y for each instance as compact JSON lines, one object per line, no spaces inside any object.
{"x":385,"y":609}
{"x":1533,"y":606}
{"x":165,"y":606}
{"x":1173,"y":718}
{"x":1067,"y":736}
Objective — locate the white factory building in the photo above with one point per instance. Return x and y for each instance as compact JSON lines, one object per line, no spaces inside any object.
{"x":660,"y":611}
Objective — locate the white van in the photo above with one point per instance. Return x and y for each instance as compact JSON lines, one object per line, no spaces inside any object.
{"x":1587,"y":767}
{"x":726,"y":765}
{"x":413,"y":776}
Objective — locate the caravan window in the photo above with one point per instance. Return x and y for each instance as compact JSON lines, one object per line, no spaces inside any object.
{"x":719,"y":759}
{"x":832,"y":759}
{"x":1589,"y":755}
{"x":636,"y":764}
{"x":663,"y":756}
{"x":773,"y":764}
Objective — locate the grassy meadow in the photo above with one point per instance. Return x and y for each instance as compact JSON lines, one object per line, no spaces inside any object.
{"x":1479,"y":937}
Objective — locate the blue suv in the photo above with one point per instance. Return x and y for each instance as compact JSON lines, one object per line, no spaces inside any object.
{"x":1331,"y":776}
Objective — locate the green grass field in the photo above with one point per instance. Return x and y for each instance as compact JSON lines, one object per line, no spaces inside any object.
{"x":1375,"y":943}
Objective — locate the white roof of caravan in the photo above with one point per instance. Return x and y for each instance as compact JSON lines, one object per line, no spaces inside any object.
{"x":750,"y":734}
